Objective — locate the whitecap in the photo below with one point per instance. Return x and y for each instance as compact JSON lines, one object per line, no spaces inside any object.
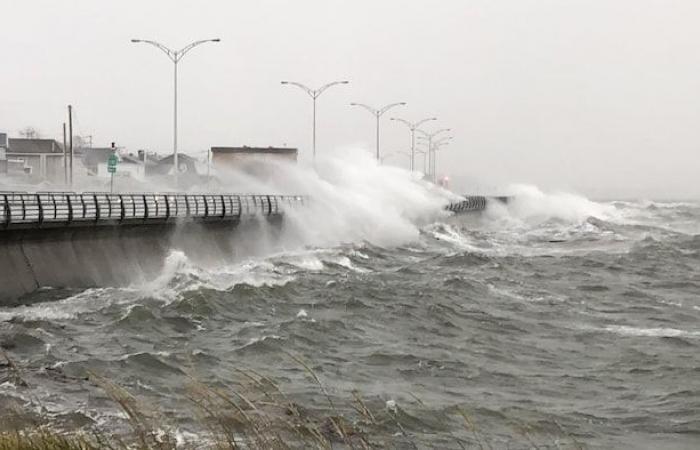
{"x":651,"y":332}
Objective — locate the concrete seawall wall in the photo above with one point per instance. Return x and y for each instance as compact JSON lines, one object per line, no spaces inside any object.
{"x":117,"y":255}
{"x":38,"y":253}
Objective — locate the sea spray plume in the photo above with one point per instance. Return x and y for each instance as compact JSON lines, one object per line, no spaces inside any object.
{"x":530,"y":205}
{"x":351,"y":199}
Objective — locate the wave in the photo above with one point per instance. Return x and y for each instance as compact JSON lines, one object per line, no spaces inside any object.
{"x":651,"y":332}
{"x":529,"y":205}
{"x":352,"y":198}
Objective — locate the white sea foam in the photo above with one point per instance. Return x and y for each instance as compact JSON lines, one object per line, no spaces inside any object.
{"x":530,"y":205}
{"x":351,"y":199}
{"x":452,"y":235}
{"x":253,"y":341}
{"x":651,"y":332}
{"x":86,"y":301}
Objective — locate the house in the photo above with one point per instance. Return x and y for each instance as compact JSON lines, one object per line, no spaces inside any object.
{"x":43,"y":158}
{"x":252,"y":160}
{"x":129,"y":166}
{"x":94,"y":157}
{"x":164,"y":166}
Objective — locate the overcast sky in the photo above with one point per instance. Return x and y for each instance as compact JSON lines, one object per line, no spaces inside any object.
{"x":597,"y":96}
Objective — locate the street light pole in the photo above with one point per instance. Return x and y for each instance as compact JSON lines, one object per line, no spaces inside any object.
{"x":436,"y":146}
{"x":435,"y":149}
{"x":430,"y":137}
{"x":314,"y":94}
{"x":378,"y":113}
{"x":413,"y":126}
{"x":424,"y":153}
{"x":175,"y":56}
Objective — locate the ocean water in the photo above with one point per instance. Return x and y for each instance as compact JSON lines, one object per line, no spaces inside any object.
{"x":552,"y":322}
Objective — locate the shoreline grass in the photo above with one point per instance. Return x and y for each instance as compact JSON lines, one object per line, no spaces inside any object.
{"x":258,"y":415}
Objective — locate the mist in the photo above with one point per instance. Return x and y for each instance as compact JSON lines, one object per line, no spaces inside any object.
{"x":594,"y":97}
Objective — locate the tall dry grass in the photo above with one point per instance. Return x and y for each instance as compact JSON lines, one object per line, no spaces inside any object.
{"x":256,"y":415}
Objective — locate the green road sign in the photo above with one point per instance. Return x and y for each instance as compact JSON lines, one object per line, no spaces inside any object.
{"x":112,"y":164}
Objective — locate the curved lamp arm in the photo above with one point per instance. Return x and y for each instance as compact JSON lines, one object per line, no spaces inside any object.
{"x":304,"y":88}
{"x":434,"y":133}
{"x":421,"y":122}
{"x":367,"y":107}
{"x":320,"y":90}
{"x":440,"y":131}
{"x":170,"y":53}
{"x":174,"y":55}
{"x":180,"y":53}
{"x":443,"y":140}
{"x":405,"y":122}
{"x":389,"y":106}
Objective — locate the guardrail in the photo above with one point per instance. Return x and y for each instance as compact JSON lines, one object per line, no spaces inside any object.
{"x":470,"y":203}
{"x":474,"y":203}
{"x":56,"y":209}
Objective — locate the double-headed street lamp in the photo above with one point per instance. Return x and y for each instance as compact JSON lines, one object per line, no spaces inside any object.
{"x":314,"y":94}
{"x":175,"y":56}
{"x":437,"y":145}
{"x":413,"y":126}
{"x":378,"y":112}
{"x":431,"y":160}
{"x":424,"y":153}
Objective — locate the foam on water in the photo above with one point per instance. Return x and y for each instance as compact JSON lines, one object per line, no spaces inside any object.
{"x":530,"y":206}
{"x":651,"y":332}
{"x":68,"y":308}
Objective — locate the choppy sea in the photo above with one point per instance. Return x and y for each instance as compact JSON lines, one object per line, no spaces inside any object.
{"x":551,"y":322}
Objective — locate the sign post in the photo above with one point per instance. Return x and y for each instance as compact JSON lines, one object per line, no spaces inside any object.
{"x":111,"y":168}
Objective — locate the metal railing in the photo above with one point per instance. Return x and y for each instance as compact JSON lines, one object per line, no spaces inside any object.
{"x":55,"y":209}
{"x":475,"y":203}
{"x":470,"y":203}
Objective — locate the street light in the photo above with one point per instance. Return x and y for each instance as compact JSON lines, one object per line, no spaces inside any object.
{"x":424,"y":153}
{"x":314,"y":94}
{"x":413,"y":126}
{"x":378,"y":112}
{"x":431,"y":155}
{"x":437,"y":146}
{"x":175,"y":56}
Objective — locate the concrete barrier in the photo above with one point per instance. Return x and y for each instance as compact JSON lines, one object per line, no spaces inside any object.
{"x":69,"y":240}
{"x":116,"y":255}
{"x":77,"y":240}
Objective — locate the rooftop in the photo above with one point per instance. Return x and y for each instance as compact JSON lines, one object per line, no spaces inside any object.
{"x":24,"y":145}
{"x":254,"y":150}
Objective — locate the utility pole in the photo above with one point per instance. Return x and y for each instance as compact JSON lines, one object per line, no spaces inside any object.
{"x":70,"y":142}
{"x":65,"y":157}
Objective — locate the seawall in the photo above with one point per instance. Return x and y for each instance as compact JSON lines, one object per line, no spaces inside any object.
{"x":118,"y":255}
{"x":78,"y":240}
{"x":70,"y":240}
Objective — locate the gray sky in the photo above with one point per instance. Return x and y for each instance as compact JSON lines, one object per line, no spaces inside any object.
{"x":597,"y":96}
